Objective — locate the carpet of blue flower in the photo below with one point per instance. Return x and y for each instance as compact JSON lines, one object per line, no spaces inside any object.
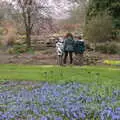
{"x":68,"y":101}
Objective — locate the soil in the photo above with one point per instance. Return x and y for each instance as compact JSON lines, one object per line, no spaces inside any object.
{"x":38,"y":57}
{"x":44,"y":57}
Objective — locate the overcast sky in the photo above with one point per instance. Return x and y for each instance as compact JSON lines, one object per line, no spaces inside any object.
{"x":59,"y":8}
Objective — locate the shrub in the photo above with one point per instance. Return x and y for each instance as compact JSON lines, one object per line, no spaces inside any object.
{"x":11,"y":40}
{"x":102,"y":48}
{"x":11,"y":51}
{"x":10,"y":35}
{"x":89,"y":46}
{"x":111,"y":48}
{"x":17,"y":49}
{"x":30,"y":50}
{"x":99,"y":28}
{"x":20,"y":48}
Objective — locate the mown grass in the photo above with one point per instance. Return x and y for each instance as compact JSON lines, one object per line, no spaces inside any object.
{"x":86,"y":74}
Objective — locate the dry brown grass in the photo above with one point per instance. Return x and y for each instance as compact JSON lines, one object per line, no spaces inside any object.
{"x":10,"y":34}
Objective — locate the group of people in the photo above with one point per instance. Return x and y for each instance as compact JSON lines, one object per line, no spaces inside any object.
{"x":67,"y":46}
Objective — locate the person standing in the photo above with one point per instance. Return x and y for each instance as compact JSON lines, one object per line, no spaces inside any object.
{"x":79,"y":48}
{"x":68,"y":47}
{"x":59,"y":50}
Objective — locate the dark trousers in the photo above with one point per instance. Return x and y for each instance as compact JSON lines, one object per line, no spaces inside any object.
{"x":70,"y":56}
{"x":59,"y":60}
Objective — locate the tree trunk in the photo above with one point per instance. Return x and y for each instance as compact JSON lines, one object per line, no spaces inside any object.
{"x":28,"y":38}
{"x":29,"y":26}
{"x":27,"y":22}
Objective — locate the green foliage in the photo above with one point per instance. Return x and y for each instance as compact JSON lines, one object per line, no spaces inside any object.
{"x":20,"y":48}
{"x":100,"y":6}
{"x":99,"y":28}
{"x":17,"y":49}
{"x":30,"y":50}
{"x":114,"y":8}
{"x":111,"y":48}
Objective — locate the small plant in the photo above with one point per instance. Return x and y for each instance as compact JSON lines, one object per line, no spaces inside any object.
{"x":10,"y":36}
{"x":30,"y":50}
{"x":11,"y":51}
{"x":19,"y":48}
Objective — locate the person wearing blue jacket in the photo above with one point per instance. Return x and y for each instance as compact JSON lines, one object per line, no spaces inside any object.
{"x":68,"y":47}
{"x":79,"y":48}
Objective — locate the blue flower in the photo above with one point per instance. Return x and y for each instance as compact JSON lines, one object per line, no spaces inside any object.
{"x":44,"y":118}
{"x":58,"y":118}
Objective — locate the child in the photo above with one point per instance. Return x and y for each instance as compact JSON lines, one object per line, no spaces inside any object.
{"x":79,"y":46}
{"x":79,"y":49}
{"x":59,"y":50}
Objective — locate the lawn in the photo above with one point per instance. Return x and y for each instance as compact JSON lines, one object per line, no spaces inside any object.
{"x":55,"y":74}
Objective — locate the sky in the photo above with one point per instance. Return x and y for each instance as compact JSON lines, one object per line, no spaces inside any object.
{"x":59,"y":8}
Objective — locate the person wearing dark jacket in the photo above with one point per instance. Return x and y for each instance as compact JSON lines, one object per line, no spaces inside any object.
{"x":79,"y":48}
{"x":68,"y":47}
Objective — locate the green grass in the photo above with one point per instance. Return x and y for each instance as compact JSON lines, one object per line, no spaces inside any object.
{"x":86,"y":74}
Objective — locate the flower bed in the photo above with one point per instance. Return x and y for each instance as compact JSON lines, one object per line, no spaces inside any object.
{"x":112,"y":62}
{"x":70,"y":101}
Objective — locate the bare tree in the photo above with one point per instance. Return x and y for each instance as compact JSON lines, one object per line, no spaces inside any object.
{"x":79,"y":2}
{"x":6,"y":10}
{"x":77,"y":15}
{"x":32,"y":11}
